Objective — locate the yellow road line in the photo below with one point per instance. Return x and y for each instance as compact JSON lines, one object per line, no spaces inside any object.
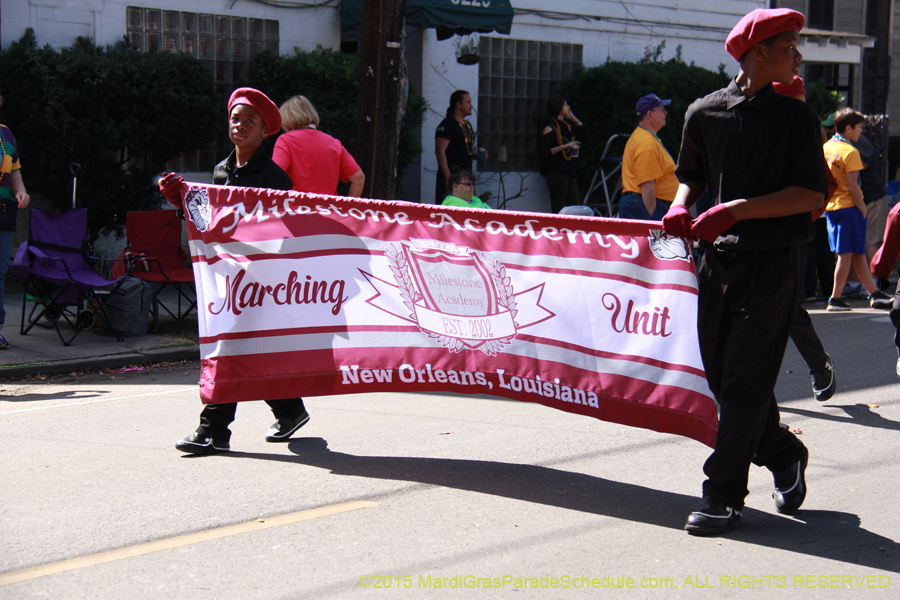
{"x":98,"y":400}
{"x":178,"y":541}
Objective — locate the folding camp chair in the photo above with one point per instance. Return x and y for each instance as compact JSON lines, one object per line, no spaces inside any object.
{"x":605,"y":175}
{"x":154,"y":240}
{"x":60,"y":281}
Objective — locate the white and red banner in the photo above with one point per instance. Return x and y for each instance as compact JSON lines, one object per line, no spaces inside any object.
{"x":303,"y":295}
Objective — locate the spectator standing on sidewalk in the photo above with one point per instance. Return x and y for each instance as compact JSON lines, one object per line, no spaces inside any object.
{"x":314,"y":160}
{"x":454,"y":142}
{"x":12,"y":197}
{"x":846,"y":211}
{"x":649,"y":183}
{"x":559,"y":147}
{"x":760,"y":154}
{"x":874,"y":195}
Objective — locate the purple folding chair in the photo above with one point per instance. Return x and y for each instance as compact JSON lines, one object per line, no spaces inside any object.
{"x":59,"y":278}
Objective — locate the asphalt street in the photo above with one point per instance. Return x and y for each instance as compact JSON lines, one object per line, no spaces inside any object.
{"x":436,"y":496}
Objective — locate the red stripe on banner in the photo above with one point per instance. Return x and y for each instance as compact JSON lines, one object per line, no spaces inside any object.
{"x":613,"y":355}
{"x":666,"y":409}
{"x":611,"y":276}
{"x":246,"y":258}
{"x":249,"y":335}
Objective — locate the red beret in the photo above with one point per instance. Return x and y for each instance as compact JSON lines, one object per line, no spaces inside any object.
{"x":759,"y":25}
{"x":259,"y":102}
{"x":792,"y":89}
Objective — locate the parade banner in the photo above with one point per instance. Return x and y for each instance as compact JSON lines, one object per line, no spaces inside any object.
{"x":304,"y":295}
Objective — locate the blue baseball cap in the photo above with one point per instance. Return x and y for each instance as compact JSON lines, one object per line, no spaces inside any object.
{"x":649,"y":102}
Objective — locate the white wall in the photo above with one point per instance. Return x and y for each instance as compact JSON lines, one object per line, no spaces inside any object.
{"x":607,"y":29}
{"x":59,"y":22}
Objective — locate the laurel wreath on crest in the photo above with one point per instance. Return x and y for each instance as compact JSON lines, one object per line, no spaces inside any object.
{"x":505,"y":298}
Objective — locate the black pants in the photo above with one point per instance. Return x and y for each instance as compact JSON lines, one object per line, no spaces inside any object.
{"x":440,"y":190}
{"x":824,"y":257}
{"x":895,"y":317}
{"x":215,"y":418}
{"x":746,"y":306}
{"x":563,"y":191}
{"x":803,"y":333}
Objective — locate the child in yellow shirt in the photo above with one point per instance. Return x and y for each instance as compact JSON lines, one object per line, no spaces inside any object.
{"x":846,"y":211}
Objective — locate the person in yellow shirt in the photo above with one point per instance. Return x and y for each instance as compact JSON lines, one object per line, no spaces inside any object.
{"x":649,"y":183}
{"x":846,"y":211}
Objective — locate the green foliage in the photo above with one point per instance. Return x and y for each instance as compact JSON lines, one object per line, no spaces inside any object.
{"x":118,"y":112}
{"x":330,"y":79}
{"x":604,"y":97}
{"x":822,"y":101}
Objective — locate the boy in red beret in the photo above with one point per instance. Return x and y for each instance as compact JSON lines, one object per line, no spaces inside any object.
{"x":760,"y":155}
{"x":252,"y":117}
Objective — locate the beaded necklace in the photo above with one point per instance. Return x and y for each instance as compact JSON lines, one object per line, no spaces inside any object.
{"x":559,"y":138}
{"x":841,"y":138}
{"x":468,"y":136}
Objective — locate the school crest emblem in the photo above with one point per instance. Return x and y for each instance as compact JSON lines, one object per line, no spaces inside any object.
{"x":461,"y":298}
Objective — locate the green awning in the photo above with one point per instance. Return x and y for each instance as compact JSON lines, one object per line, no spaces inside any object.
{"x":448,"y":17}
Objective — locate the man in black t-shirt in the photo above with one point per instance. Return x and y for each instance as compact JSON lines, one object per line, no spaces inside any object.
{"x":454,"y":142}
{"x":760,"y":155}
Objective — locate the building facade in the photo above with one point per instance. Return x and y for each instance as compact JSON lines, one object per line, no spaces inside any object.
{"x":848,"y":43}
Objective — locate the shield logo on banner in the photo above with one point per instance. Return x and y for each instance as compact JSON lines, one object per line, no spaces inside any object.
{"x":453,"y":285}
{"x":462,"y":299}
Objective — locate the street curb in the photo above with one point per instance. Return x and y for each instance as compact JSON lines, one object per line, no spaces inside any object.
{"x":102,"y":362}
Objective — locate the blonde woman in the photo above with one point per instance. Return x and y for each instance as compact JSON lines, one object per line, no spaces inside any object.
{"x":315,"y":161}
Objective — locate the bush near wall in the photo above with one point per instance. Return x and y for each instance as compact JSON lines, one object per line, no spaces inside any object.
{"x":604,"y":98}
{"x":330,"y":79}
{"x":118,"y":112}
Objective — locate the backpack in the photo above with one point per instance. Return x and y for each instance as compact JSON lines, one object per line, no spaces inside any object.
{"x":128,"y":310}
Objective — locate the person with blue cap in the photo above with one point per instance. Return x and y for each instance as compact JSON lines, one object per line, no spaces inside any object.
{"x":649,"y":183}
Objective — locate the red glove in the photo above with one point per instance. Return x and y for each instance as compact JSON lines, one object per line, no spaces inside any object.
{"x":170,"y":188}
{"x":677,"y":222}
{"x":713,"y":223}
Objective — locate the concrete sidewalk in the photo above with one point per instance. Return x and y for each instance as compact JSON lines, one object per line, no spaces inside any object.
{"x":42,"y":352}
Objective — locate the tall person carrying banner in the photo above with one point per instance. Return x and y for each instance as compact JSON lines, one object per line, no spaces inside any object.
{"x":760,"y":155}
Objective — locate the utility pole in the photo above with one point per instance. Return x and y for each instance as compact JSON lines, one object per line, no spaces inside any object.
{"x":383,"y":91}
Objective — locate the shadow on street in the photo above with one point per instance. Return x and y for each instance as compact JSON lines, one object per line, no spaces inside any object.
{"x":824,"y":534}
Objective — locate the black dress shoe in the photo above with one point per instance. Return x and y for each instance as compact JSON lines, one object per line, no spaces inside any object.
{"x":200,"y":443}
{"x":282,"y":429}
{"x":712,"y":517}
{"x":823,"y":382}
{"x":790,"y":485}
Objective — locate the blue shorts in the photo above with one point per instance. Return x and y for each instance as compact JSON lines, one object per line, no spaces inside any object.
{"x":846,"y":231}
{"x":631,"y":206}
